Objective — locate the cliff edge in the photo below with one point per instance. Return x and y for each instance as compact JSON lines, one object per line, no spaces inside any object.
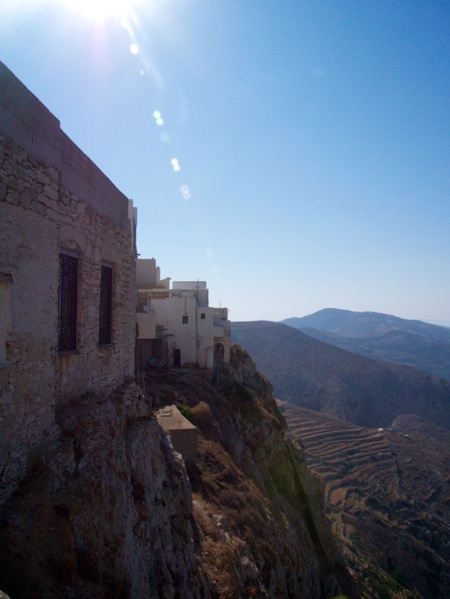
{"x":109,"y":511}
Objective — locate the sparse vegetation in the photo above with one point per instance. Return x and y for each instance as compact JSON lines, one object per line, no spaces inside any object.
{"x":398,"y":574}
{"x":354,"y":537}
{"x":203,"y":417}
{"x":187,"y":412}
{"x":374,"y":493}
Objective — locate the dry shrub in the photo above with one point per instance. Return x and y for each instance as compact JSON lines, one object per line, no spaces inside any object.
{"x":206,"y":523}
{"x":203,"y":418}
{"x":222,"y":566}
{"x":218,"y":556}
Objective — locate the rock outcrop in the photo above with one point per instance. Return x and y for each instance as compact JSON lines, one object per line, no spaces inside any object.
{"x":107,"y":510}
{"x":104,"y":512}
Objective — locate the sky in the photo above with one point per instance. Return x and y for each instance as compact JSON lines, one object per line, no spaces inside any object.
{"x":294,"y":154}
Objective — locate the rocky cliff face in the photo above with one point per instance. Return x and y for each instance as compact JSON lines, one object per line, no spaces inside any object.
{"x":271,"y":529}
{"x":108,"y":510}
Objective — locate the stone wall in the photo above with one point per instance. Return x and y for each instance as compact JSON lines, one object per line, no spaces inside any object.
{"x":53,"y":199}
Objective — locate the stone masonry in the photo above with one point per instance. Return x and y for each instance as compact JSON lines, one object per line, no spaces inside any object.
{"x":53,"y":199}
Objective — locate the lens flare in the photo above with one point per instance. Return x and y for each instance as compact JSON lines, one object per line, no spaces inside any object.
{"x":186,"y":194}
{"x":158,"y":118}
{"x":175,"y":165}
{"x":101,"y":10}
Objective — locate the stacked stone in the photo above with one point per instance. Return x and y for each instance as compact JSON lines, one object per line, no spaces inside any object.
{"x":53,"y":200}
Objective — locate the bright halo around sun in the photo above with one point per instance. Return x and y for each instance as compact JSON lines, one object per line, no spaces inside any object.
{"x":101,"y":10}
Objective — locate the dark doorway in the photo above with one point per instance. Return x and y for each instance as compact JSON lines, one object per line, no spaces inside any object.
{"x":219,"y":352}
{"x":177,"y":358}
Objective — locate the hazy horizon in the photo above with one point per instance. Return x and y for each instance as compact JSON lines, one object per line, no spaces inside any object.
{"x":441,"y":324}
{"x":292,"y":154}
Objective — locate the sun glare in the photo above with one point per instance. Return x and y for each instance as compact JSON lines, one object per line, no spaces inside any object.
{"x":100,"y":10}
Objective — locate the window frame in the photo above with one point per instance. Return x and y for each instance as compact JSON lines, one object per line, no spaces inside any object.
{"x":105,"y":319}
{"x":68,"y":289}
{"x":6,"y":281}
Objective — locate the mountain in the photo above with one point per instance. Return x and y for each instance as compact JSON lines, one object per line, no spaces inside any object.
{"x":383,"y":337}
{"x":387,"y":495}
{"x":366,"y":324}
{"x":398,"y":347}
{"x":321,"y":377}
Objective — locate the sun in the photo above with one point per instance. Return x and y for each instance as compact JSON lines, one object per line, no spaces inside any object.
{"x":101,"y":10}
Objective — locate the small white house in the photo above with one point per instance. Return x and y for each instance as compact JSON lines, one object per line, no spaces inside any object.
{"x":176,"y":324}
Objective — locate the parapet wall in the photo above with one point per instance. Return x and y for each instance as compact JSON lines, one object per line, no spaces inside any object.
{"x":36,"y":130}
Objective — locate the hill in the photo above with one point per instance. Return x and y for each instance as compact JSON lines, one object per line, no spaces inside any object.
{"x":321,"y":377}
{"x":366,"y":324}
{"x":383,"y":337}
{"x":387,"y":494}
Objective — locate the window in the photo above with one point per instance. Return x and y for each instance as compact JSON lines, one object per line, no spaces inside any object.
{"x":105,"y":324}
{"x":202,"y":316}
{"x":67,"y":302}
{"x":5,"y":314}
{"x":185,"y":319}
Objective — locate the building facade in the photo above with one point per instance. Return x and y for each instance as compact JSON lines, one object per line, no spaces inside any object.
{"x":176,"y":323}
{"x":67,"y":277}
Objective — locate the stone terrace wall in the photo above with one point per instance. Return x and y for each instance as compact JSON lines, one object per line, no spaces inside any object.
{"x":52,"y":197}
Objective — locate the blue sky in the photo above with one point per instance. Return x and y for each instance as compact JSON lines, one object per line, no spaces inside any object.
{"x":311,"y":137}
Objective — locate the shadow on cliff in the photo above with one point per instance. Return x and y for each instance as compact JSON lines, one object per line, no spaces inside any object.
{"x":108,"y":510}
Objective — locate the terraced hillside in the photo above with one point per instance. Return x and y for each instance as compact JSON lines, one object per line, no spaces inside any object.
{"x":388,"y":496}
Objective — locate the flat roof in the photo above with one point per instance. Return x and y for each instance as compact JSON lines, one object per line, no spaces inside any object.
{"x":170,"y":418}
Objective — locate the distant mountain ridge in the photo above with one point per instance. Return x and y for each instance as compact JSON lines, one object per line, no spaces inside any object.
{"x":321,"y":377}
{"x":346,"y":323}
{"x":382,"y":337}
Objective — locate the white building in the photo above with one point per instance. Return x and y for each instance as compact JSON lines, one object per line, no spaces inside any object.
{"x":176,"y":324}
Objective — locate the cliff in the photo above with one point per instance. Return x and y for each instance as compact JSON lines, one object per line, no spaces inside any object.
{"x":105,"y":511}
{"x":109,"y":511}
